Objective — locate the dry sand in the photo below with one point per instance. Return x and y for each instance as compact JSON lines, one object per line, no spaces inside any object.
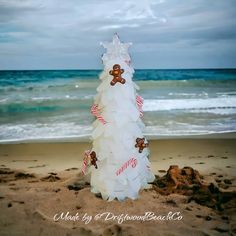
{"x":30,"y":196}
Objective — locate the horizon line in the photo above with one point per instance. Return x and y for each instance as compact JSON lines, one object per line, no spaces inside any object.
{"x":200,"y":68}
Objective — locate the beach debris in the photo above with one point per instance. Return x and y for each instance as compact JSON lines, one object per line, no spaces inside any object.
{"x":98,"y":195}
{"x":224,"y":217}
{"x":221,"y":230}
{"x":186,"y":176}
{"x":7,"y":175}
{"x":140,"y":144}
{"x":19,"y":202}
{"x":227,"y":181}
{"x":6,"y":171}
{"x":209,"y":156}
{"x":38,"y":166}
{"x":162,"y":171}
{"x":208,"y":218}
{"x":57,"y":190}
{"x":22,"y":175}
{"x":188,"y":209}
{"x":52,"y":173}
{"x":72,"y":168}
{"x":52,"y":177}
{"x":78,"y":185}
{"x":171,"y":202}
{"x":189,"y":182}
{"x":24,"y":160}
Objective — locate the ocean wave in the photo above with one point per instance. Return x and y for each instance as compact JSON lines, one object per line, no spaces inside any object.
{"x":69,"y":131}
{"x":209,"y":104}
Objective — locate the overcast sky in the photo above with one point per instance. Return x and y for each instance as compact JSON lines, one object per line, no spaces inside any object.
{"x":66,"y":34}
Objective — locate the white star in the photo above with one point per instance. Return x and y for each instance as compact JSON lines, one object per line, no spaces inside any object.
{"x":116,"y":49}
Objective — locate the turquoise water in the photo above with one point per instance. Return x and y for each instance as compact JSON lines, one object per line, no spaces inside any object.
{"x":37,"y":105}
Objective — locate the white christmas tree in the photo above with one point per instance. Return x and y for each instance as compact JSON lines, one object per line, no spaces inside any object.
{"x":120,"y":165}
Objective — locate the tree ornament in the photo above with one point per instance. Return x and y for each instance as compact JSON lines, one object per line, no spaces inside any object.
{"x":116,"y":72}
{"x":93,"y":159}
{"x":140,"y":143}
{"x":88,"y":160}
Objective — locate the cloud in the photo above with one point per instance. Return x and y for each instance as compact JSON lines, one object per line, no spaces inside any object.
{"x":43,"y":33}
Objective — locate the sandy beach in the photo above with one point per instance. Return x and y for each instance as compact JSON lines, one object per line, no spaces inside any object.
{"x":40,"y":181}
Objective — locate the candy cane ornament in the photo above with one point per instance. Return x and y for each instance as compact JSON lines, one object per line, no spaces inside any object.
{"x":85,"y":161}
{"x":139,"y":102}
{"x":96,"y":113}
{"x":131,"y":162}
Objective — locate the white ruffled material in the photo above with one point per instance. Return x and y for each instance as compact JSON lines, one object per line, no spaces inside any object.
{"x":114,"y":142}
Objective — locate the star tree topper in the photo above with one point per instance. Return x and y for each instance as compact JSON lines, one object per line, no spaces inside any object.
{"x":116,"y":50}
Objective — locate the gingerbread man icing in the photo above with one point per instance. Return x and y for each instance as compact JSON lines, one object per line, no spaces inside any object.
{"x":140,"y":144}
{"x":93,"y":159}
{"x":116,"y":72}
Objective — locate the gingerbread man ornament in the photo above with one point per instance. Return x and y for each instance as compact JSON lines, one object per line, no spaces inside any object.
{"x":116,"y":72}
{"x":93,"y":159}
{"x":140,"y":143}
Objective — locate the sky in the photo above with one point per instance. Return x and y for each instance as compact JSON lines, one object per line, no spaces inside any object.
{"x":166,"y":34}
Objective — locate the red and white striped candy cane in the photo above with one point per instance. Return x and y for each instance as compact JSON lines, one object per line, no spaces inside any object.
{"x":139,"y":102}
{"x":132,"y":161}
{"x":85,"y":161}
{"x":95,"y":112}
{"x":84,"y":167}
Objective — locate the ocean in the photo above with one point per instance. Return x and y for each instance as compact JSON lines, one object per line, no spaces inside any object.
{"x":54,"y":105}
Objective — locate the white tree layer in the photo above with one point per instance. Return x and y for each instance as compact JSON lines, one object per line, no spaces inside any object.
{"x":122,"y":170}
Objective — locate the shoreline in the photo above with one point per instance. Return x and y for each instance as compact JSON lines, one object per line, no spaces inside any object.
{"x":87,"y":138}
{"x":206,"y":155}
